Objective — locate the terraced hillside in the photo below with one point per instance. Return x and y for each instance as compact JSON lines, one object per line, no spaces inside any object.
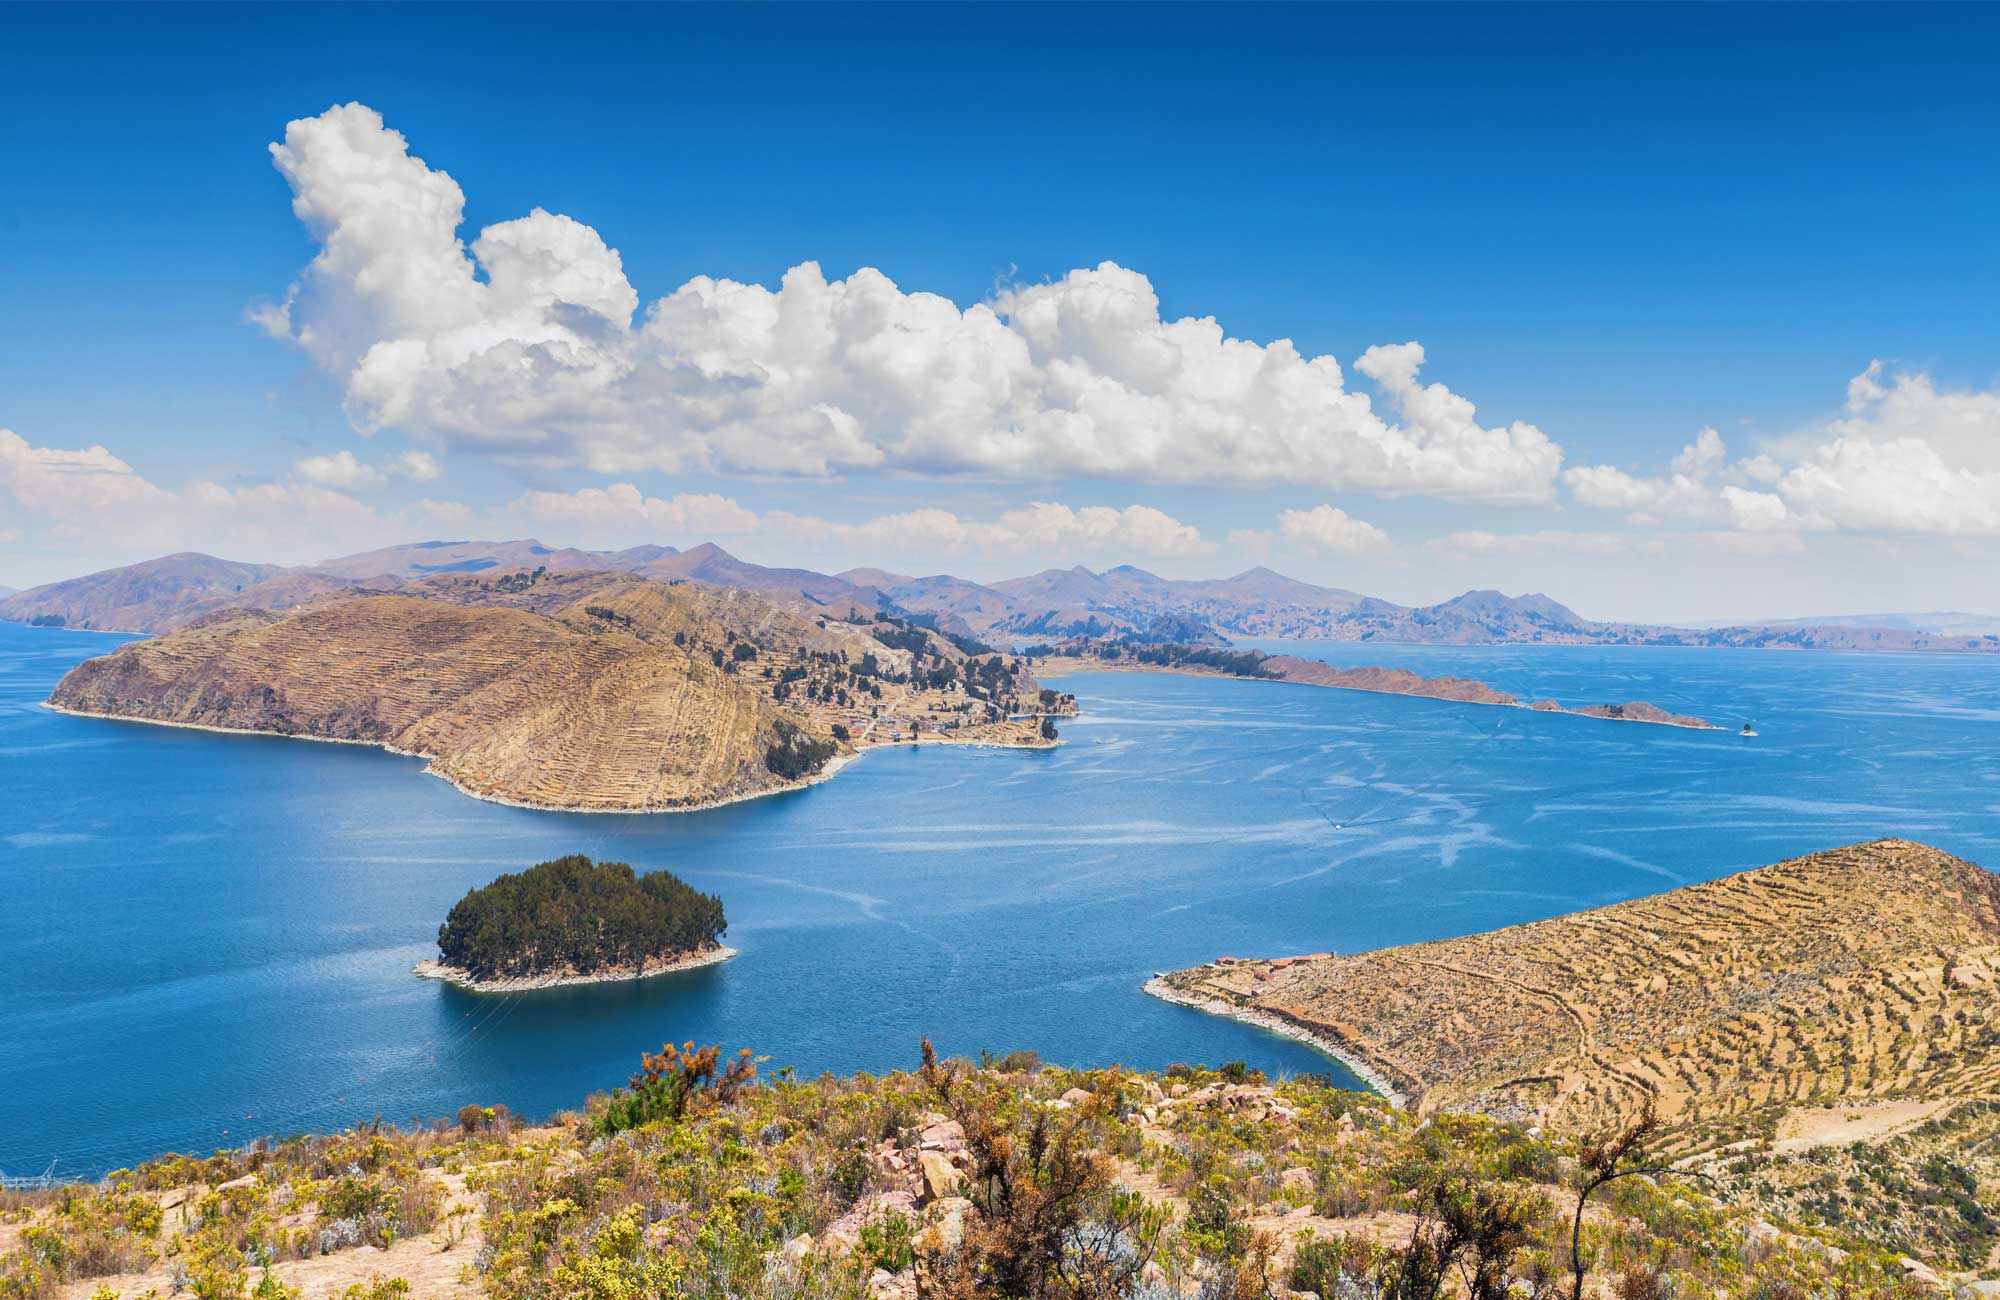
{"x":1858,"y":974}
{"x":506,"y":703}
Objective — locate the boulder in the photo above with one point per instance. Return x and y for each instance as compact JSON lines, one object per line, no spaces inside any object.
{"x":940,"y":1179}
{"x":944,"y":1135}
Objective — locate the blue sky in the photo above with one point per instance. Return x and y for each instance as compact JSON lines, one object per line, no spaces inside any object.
{"x":1619,"y":225}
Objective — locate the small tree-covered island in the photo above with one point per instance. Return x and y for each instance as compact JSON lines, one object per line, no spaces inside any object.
{"x":574,"y":921}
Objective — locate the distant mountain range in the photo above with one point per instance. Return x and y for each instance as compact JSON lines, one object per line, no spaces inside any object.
{"x":1950,"y":622}
{"x":1055,"y":604}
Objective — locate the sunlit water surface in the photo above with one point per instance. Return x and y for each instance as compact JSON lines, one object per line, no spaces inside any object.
{"x":209,"y":938}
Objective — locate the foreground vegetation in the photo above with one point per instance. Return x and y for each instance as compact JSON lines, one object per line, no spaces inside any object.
{"x":573,"y":916}
{"x":703,"y":1179}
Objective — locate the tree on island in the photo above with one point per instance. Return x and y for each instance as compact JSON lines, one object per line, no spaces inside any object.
{"x":575,"y":916}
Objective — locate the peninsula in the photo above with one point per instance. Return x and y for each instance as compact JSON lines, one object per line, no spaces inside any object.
{"x":1096,"y":654}
{"x":572,"y":921}
{"x":1856,"y":974}
{"x":581,"y":691}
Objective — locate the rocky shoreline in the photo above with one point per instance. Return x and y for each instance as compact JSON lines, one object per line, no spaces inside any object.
{"x":1367,"y":1072}
{"x":434,"y":970}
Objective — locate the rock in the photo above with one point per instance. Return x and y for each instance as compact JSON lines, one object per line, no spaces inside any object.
{"x":938,"y":1243}
{"x":1296,"y":1179}
{"x":944,"y":1135}
{"x":1078,"y":1096}
{"x":946,"y":1230}
{"x":940,"y":1179}
{"x":247,"y":1180}
{"x":1915,"y":1270}
{"x":798,"y":1247}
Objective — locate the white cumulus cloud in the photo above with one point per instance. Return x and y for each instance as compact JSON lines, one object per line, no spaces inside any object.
{"x":1330,"y":530}
{"x":623,"y":513}
{"x":89,"y":503}
{"x":1902,"y":457}
{"x":531,"y":343}
{"x":343,"y":469}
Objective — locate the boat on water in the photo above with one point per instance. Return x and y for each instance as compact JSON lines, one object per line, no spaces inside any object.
{"x":1748,"y":730}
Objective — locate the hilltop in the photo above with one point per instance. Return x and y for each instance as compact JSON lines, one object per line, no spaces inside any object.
{"x":1055,"y":604}
{"x":584,"y":690}
{"x":961,"y":1181}
{"x":1859,"y":974}
{"x":140,"y":597}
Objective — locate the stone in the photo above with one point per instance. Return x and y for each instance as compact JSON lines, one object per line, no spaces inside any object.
{"x":945,"y":1134}
{"x":940,"y":1179}
{"x":1915,"y":1270}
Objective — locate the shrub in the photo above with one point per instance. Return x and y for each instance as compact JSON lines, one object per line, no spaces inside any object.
{"x":889,"y":1242}
{"x":673,"y":1081}
{"x":1333,"y":1266}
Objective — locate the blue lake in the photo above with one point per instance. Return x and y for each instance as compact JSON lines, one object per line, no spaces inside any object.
{"x":208,"y":938}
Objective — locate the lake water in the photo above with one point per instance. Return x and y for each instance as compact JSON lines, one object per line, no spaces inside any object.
{"x":209,"y":938}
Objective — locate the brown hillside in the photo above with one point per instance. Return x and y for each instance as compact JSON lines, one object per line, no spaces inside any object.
{"x":1865,"y":972}
{"x":575,"y":689}
{"x":507,"y":703}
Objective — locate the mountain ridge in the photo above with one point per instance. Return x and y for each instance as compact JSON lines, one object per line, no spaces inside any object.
{"x":1123,"y":601}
